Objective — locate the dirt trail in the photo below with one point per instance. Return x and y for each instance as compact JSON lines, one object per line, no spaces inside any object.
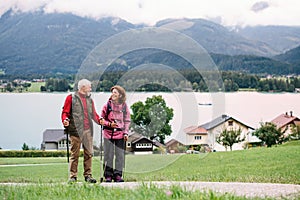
{"x":237,"y":188}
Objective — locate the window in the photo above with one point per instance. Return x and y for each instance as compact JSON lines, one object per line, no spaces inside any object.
{"x":143,"y":145}
{"x":230,"y":123}
{"x":198,"y":137}
{"x":63,"y":144}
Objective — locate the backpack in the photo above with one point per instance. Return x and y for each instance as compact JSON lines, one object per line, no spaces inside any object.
{"x":109,"y":109}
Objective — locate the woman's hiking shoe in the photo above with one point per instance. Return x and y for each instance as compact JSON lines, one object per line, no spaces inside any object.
{"x":72,"y":180}
{"x":118,"y":179}
{"x":90,"y":179}
{"x":108,"y":179}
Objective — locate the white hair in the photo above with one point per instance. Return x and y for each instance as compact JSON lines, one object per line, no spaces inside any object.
{"x":83,"y":82}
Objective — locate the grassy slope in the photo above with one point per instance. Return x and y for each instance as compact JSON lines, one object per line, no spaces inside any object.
{"x":276,"y":165}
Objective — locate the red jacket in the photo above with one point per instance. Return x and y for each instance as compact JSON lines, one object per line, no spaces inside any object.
{"x":66,"y":112}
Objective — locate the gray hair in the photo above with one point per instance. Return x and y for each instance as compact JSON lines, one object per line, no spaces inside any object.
{"x":83,"y":82}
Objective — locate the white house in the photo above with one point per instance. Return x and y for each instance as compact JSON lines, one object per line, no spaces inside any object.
{"x":207,"y":133}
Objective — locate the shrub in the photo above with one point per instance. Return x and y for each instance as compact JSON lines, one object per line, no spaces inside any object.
{"x":34,"y":153}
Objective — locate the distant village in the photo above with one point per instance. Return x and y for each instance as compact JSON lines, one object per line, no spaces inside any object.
{"x":231,"y":82}
{"x":18,"y":85}
{"x":199,"y":138}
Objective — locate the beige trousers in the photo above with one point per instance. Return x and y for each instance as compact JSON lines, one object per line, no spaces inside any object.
{"x":87,"y":143}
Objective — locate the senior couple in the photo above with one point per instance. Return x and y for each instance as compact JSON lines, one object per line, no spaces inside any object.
{"x":77,"y":117}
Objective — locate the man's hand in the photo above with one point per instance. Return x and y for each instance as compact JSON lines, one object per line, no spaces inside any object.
{"x":66,"y":122}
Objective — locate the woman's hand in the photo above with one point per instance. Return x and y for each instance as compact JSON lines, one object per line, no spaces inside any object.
{"x":113,"y":125}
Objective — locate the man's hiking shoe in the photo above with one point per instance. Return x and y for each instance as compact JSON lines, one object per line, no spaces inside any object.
{"x":72,"y":180}
{"x":118,"y":179}
{"x":108,"y":179}
{"x":90,"y":179}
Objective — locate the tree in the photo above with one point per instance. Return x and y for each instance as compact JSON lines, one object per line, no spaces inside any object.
{"x":295,"y":133}
{"x":152,"y":118}
{"x":270,"y":134}
{"x":55,"y":84}
{"x":25,"y":147}
{"x":230,"y":137}
{"x":43,"y":89}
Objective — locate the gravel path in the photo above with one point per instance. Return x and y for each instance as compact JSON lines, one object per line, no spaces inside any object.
{"x":288,"y":191}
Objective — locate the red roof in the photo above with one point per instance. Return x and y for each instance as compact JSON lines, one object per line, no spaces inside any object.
{"x":284,"y":119}
{"x":195,"y":130}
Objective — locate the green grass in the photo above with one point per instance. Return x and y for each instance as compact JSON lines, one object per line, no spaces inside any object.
{"x":247,"y":90}
{"x":95,"y":191}
{"x":36,"y":86}
{"x":279,"y":164}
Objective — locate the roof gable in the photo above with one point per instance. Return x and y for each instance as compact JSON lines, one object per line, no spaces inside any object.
{"x":53,"y":135}
{"x":215,"y":122}
{"x":284,"y":119}
{"x":141,"y":139}
{"x":195,"y":130}
{"x":173,"y":141}
{"x":220,"y":120}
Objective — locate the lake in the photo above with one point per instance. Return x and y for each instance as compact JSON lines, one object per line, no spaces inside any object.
{"x":25,"y":116}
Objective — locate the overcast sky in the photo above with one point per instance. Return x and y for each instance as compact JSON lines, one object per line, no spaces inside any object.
{"x":226,"y":12}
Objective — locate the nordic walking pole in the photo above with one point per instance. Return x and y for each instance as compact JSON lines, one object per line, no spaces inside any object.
{"x":100,"y":149}
{"x":125,"y":140}
{"x":67,"y":139}
{"x":67,"y":134}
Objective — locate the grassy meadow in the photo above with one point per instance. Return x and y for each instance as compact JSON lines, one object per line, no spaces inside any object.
{"x":279,"y":164}
{"x":36,"y":86}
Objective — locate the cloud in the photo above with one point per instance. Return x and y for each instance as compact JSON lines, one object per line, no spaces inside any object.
{"x":259,"y":6}
{"x":21,"y":5}
{"x":229,"y":12}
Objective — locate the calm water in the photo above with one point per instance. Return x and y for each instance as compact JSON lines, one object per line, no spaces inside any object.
{"x":24,"y":117}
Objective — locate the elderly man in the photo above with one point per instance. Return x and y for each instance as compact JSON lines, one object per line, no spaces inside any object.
{"x":77,"y":116}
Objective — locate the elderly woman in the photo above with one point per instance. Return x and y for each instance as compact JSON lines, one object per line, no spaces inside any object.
{"x":116,"y":121}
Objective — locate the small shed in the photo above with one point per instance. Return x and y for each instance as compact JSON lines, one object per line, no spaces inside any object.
{"x":54,"y":139}
{"x":174,"y":146}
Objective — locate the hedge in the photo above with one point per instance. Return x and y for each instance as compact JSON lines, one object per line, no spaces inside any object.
{"x":34,"y":153}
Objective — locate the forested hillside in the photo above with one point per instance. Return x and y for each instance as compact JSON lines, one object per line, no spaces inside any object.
{"x":39,"y":44}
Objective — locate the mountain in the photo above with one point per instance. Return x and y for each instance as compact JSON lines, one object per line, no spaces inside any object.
{"x":218,"y":39}
{"x":292,"y":56}
{"x":39,"y":43}
{"x":51,"y":43}
{"x":254,"y":64}
{"x":280,"y":38}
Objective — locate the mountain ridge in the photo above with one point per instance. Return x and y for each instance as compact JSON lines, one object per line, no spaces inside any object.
{"x":39,"y":43}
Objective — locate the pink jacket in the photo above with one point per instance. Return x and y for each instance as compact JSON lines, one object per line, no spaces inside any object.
{"x":121,"y":115}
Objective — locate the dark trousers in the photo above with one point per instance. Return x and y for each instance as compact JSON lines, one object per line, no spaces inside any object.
{"x":113,"y":149}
